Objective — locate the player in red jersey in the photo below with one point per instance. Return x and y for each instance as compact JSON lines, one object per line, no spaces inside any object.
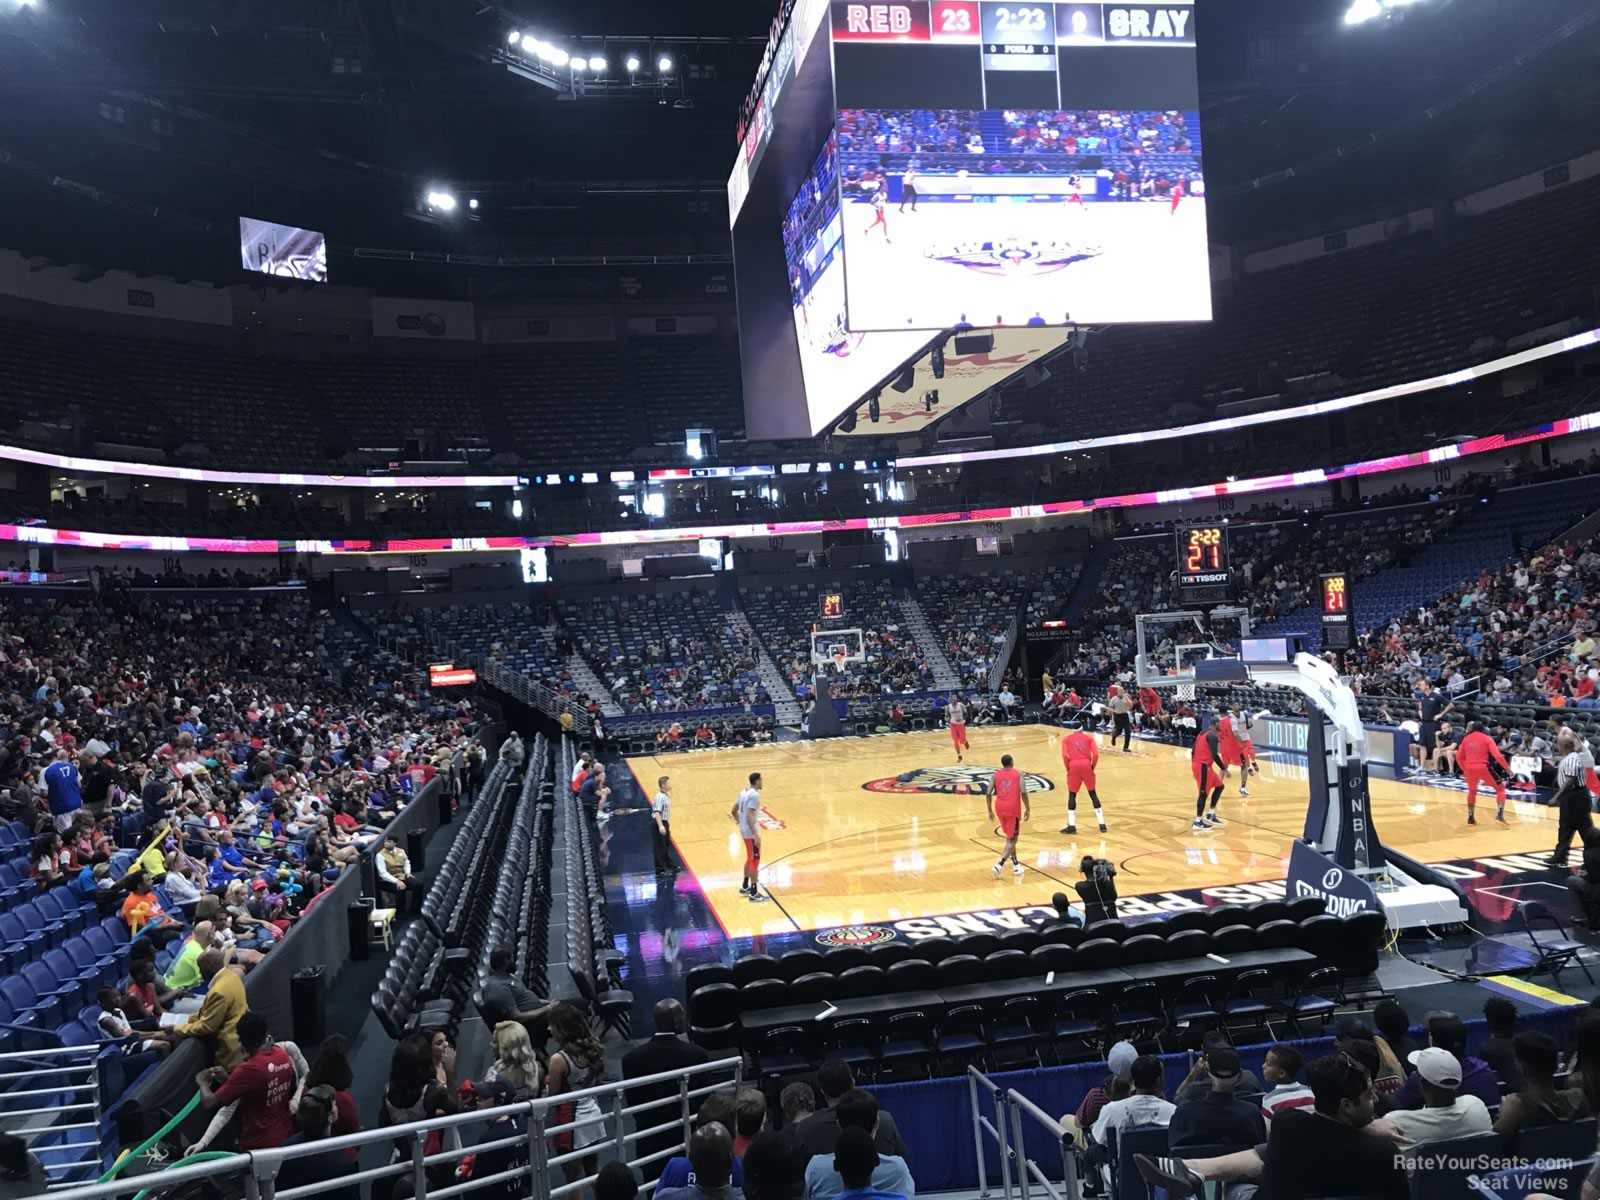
{"x":1228,"y":744}
{"x":1081,"y":754}
{"x":1476,"y":752}
{"x":1243,"y":726}
{"x":1209,"y":772}
{"x":1073,"y":195}
{"x":957,"y":712}
{"x":881,"y":215}
{"x":1008,"y":804}
{"x":1177,"y":195}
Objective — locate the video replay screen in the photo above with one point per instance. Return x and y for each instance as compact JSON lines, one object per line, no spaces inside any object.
{"x":836,"y":362}
{"x":1006,"y":164}
{"x":286,"y":251}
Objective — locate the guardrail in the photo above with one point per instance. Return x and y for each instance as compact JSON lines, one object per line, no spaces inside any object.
{"x":1006,"y":1128}
{"x":527,"y":1141}
{"x":58,"y":1091}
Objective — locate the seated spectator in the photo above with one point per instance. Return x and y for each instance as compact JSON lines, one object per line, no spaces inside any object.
{"x":1538,"y":1101}
{"x":1118,"y":1085}
{"x":1145,"y":1107}
{"x":1356,"y":1038}
{"x":507,"y":998}
{"x":719,"y":1109}
{"x":1500,"y":1015}
{"x":857,"y":1110}
{"x":616,"y":1181}
{"x":1332,"y":1150}
{"x":772,"y":1168}
{"x":1448,"y":1032}
{"x":1281,"y":1071}
{"x":749,"y":1117}
{"x":1198,"y":1082}
{"x":1394,"y":1032}
{"x":798,"y":1102}
{"x":819,"y":1131}
{"x":711,"y":1161}
{"x":1218,"y":1118}
{"x":1444,"y":1114}
{"x":21,"y":1172}
{"x":396,"y":882}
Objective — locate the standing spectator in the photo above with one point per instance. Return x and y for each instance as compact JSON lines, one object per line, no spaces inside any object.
{"x":262,"y":1084}
{"x":513,"y":1060}
{"x":1098,"y":891}
{"x":330,"y":1072}
{"x":1281,"y":1069}
{"x":667,"y":1050}
{"x":62,"y":788}
{"x":577,"y":1064}
{"x":1444,"y":1113}
{"x":1219,"y":1118}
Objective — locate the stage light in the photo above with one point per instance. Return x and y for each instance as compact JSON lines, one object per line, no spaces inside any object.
{"x":516,"y":509}
{"x":441,"y":200}
{"x":513,"y":38}
{"x":633,"y":63}
{"x":664,"y":64}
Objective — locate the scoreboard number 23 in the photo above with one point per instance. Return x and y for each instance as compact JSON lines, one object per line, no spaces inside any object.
{"x":955,"y":19}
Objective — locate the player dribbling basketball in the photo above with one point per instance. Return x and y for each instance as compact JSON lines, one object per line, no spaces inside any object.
{"x":1008,"y":805}
{"x":957,"y":711}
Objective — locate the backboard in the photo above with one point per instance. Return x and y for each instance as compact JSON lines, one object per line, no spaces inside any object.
{"x":1170,"y":643}
{"x":836,"y":649}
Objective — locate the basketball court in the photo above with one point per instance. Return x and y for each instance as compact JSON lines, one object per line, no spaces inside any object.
{"x":872,"y":831}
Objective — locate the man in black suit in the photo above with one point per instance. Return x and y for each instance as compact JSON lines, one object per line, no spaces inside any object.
{"x":668,"y":1050}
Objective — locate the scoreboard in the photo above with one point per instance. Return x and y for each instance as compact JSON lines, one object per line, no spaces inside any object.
{"x":1051,"y":152}
{"x":1338,"y":616}
{"x":832,"y":606}
{"x":1203,"y":571}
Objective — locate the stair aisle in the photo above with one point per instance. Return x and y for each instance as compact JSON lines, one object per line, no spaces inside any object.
{"x":785,"y":708}
{"x":944,"y":675}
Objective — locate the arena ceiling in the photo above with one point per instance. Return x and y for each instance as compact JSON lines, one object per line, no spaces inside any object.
{"x":133,"y":134}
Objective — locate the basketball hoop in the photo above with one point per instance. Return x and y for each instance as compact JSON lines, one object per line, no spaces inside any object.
{"x":1184,"y":691}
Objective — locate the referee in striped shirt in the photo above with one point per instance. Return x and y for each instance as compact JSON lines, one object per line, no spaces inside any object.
{"x":1572,"y":792}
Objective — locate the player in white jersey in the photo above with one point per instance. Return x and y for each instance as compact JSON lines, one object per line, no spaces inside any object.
{"x":956,"y":710}
{"x":747,"y":812}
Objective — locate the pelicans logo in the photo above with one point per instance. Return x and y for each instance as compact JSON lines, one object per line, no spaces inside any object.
{"x":1013,"y":256}
{"x":856,"y":935}
{"x":952,"y":781}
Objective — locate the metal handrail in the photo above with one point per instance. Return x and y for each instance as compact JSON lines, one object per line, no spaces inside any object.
{"x":527,"y":1117}
{"x":1010,"y":1106}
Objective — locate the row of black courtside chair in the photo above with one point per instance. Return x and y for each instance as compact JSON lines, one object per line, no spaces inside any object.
{"x":428,"y":977}
{"x":594,"y":960}
{"x":1238,"y":969}
{"x":519,"y":916}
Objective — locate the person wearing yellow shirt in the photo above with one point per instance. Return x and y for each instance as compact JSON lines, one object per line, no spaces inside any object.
{"x":219,"y":1015}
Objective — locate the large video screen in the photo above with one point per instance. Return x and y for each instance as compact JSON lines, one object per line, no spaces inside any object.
{"x":1006,"y":164}
{"x":283,"y":250}
{"x":839,"y":365}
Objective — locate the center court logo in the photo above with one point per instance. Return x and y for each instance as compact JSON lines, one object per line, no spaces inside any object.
{"x":951,"y":781}
{"x":856,"y":935}
{"x":1014,"y":257}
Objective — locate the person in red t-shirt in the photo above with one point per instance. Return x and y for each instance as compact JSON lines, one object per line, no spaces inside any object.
{"x":1008,"y":804}
{"x":1473,"y":756}
{"x":262,"y":1085}
{"x":1081,"y":754}
{"x":1209,"y":772}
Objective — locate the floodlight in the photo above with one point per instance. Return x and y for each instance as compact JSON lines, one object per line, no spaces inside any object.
{"x":513,"y":38}
{"x":664,"y":64}
{"x":473,"y":204}
{"x":632,"y":63}
{"x":597,"y":63}
{"x":558,"y":56}
{"x":441,"y":200}
{"x":1361,"y":11}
